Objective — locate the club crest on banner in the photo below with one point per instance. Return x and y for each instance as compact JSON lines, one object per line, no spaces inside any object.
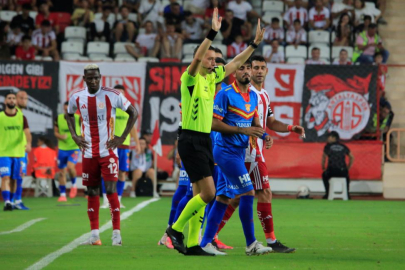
{"x":338,"y":105}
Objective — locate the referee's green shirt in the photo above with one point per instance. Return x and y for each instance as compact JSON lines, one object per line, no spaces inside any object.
{"x":197,"y":99}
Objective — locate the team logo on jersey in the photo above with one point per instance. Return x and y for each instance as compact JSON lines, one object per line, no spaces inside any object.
{"x":338,"y":105}
{"x":247,"y":106}
{"x":112,"y":160}
{"x":101,"y":105}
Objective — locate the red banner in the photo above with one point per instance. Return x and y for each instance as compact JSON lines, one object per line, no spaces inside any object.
{"x":303,"y":160}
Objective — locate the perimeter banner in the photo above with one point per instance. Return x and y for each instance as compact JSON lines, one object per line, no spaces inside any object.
{"x":339,"y":98}
{"x":130,"y":75}
{"x":162,"y":99}
{"x":40,"y":81}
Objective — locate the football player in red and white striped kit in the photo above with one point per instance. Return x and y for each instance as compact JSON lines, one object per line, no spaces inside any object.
{"x":97,"y":105}
{"x":254,"y":159}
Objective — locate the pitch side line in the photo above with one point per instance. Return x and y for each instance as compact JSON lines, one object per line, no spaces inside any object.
{"x":24,"y":226}
{"x":45,"y":261}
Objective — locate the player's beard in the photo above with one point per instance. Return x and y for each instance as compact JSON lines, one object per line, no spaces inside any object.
{"x":10,"y":106}
{"x":244,"y":81}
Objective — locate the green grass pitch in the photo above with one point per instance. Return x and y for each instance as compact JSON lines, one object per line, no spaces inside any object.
{"x":327,"y":235}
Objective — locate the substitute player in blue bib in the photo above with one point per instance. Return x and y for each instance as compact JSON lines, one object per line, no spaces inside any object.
{"x":235,"y":118}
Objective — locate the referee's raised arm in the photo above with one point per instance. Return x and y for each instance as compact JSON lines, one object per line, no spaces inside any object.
{"x":241,"y":58}
{"x":199,"y":55}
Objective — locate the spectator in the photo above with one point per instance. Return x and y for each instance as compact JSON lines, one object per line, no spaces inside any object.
{"x":210,"y":10}
{"x":132,"y":5}
{"x":315,"y":57}
{"x":151,"y":10}
{"x":24,"y":20}
{"x":336,"y":153}
{"x":141,"y":166}
{"x":44,"y":159}
{"x":367,"y":44}
{"x":364,"y":26}
{"x":382,"y":70}
{"x":44,"y":41}
{"x":230,"y":27}
{"x":25,"y":51}
{"x":275,"y":54}
{"x":172,"y":42}
{"x":346,"y":7}
{"x":242,"y":9}
{"x":297,"y":35}
{"x":386,"y":118}
{"x":168,"y":8}
{"x":100,"y":28}
{"x":124,"y":29}
{"x":147,"y":134}
{"x":4,"y":48}
{"x":343,"y":59}
{"x":361,"y":10}
{"x":343,"y":31}
{"x":274,"y":31}
{"x":319,"y":16}
{"x":83,"y":16}
{"x":6,"y":5}
{"x":44,"y":14}
{"x":14,"y":37}
{"x":146,"y":44}
{"x":296,"y":12}
{"x":19,"y":3}
{"x":236,"y":47}
{"x":192,"y":28}
{"x":381,"y":5}
{"x":175,"y":15}
{"x":197,"y":6}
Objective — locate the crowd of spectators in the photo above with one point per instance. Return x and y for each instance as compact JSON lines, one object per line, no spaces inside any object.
{"x":160,"y":28}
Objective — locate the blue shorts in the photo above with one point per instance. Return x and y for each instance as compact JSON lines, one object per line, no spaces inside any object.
{"x":23,"y":163}
{"x":234,"y":179}
{"x":183,"y":177}
{"x":65,"y":156}
{"x":10,"y":166}
{"x":216,"y":174}
{"x":190,"y":190}
{"x":123,"y":159}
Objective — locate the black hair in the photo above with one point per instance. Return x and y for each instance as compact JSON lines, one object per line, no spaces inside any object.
{"x":378,"y":54}
{"x":275,"y":19}
{"x":107,"y":7}
{"x":10,"y":93}
{"x":120,"y":87}
{"x":218,"y":50}
{"x":248,"y":62}
{"x":372,"y":26}
{"x":209,"y":49}
{"x":46,"y":141}
{"x":335,"y":135}
{"x":297,"y":21}
{"x":174,"y":4}
{"x":220,"y":60}
{"x":14,"y":25}
{"x":26,"y":37}
{"x":343,"y":50}
{"x":66,"y":103}
{"x":121,"y":7}
{"x":229,"y":10}
{"x":315,"y":48}
{"x":258,"y":58}
{"x":367,"y":17}
{"x":46,"y":23}
{"x":26,"y":6}
{"x":187,"y":13}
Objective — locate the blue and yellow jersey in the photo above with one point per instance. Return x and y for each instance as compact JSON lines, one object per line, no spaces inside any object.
{"x":235,"y":109}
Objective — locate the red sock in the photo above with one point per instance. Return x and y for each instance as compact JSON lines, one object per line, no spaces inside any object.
{"x":114,"y":210}
{"x":266,"y":219}
{"x":93,"y":207}
{"x":228,"y":213}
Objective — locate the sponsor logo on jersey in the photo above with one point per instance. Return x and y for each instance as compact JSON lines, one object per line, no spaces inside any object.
{"x":90,"y":210}
{"x":83,"y":107}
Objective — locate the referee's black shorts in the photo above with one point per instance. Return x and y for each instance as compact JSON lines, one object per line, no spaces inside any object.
{"x":195,"y":150}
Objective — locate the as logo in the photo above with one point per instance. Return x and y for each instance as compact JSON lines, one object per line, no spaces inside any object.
{"x":247,"y":106}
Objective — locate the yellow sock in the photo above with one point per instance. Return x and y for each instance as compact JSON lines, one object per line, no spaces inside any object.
{"x":191,"y":209}
{"x":194,"y":226}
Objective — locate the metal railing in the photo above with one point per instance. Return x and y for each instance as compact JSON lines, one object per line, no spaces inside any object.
{"x":395,"y":145}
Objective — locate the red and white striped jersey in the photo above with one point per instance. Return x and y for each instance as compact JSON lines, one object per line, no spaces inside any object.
{"x":42,"y":40}
{"x":255,"y":148}
{"x":98,"y":117}
{"x":234,"y":49}
{"x":272,"y":33}
{"x":294,"y":13}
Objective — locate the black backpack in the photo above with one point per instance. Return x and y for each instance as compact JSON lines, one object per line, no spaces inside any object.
{"x":144,"y":188}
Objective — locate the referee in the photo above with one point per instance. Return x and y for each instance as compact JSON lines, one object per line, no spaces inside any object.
{"x":195,"y":149}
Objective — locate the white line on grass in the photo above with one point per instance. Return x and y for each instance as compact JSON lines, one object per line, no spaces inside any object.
{"x":24,"y":226}
{"x":72,"y":245}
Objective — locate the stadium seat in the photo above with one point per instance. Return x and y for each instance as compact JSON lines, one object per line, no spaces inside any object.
{"x":148,"y":59}
{"x":273,"y":6}
{"x":301,"y":51}
{"x":333,"y":37}
{"x":33,"y":14}
{"x":267,"y":48}
{"x":272,"y":14}
{"x":111,"y":18}
{"x":218,"y":38}
{"x":325,"y":50}
{"x":319,"y":37}
{"x":74,"y":57}
{"x":141,"y":31}
{"x":99,"y":57}
{"x":336,"y":51}
{"x":223,"y":49}
{"x":72,"y":47}
{"x":256,"y":3}
{"x":43,"y":58}
{"x":132,"y":17}
{"x":63,"y":20}
{"x":7,"y":15}
{"x":187,"y":60}
{"x":369,"y":5}
{"x":188,"y":49}
{"x":124,"y":58}
{"x":296,"y":60}
{"x":73,"y":33}
{"x":100,"y":48}
{"x":165,"y":3}
{"x":119,"y":47}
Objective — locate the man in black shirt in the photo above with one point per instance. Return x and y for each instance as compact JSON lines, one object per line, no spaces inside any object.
{"x":24,"y":20}
{"x":231,"y":27}
{"x":336,"y":154}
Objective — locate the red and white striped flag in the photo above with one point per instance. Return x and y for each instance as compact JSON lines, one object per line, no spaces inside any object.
{"x":156,"y":142}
